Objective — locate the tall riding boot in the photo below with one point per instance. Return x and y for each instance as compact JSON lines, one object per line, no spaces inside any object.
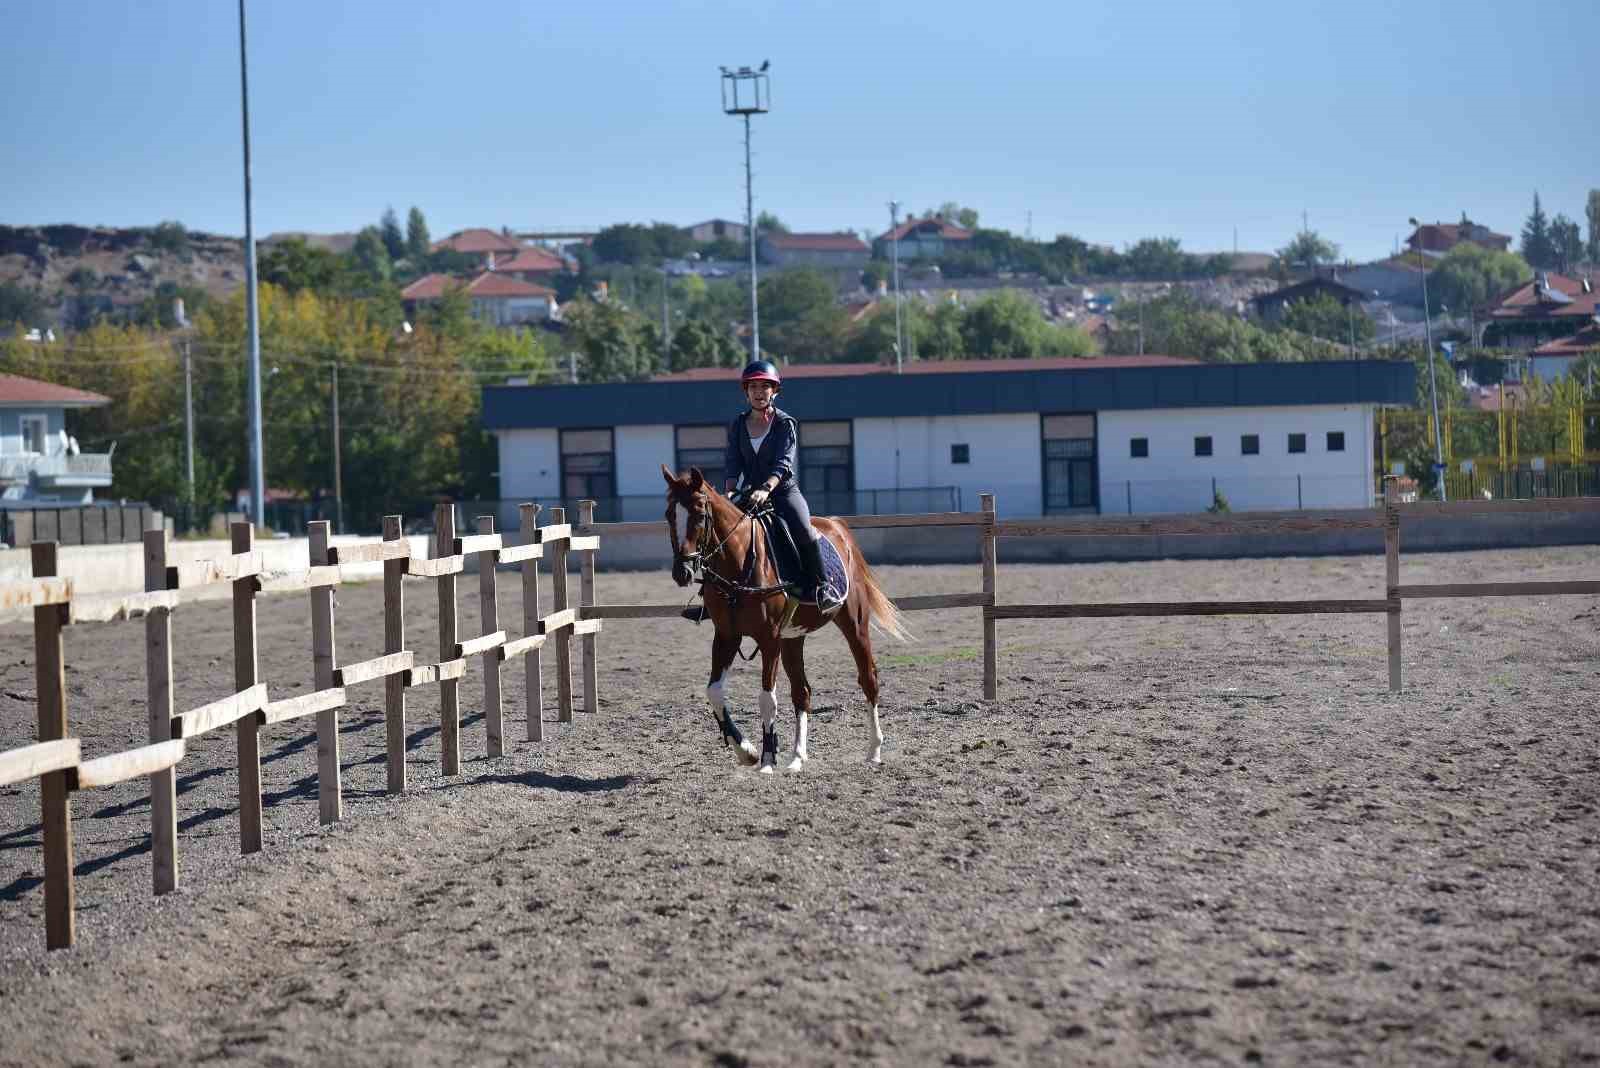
{"x":811,"y":560}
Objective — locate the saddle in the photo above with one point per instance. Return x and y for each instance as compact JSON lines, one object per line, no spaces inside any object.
{"x":785,"y":557}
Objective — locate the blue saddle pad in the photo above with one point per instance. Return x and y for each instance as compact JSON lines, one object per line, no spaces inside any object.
{"x":784,"y":557}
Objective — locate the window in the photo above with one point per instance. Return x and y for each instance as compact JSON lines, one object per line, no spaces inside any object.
{"x":1139,"y":448}
{"x":1297,"y":443}
{"x":702,"y":447}
{"x":1336,"y":441}
{"x":588,"y":470}
{"x":827,"y":467}
{"x":960,"y":454}
{"x":1069,"y":463}
{"x":1250,"y":445}
{"x":33,"y":433}
{"x":1202,"y":445}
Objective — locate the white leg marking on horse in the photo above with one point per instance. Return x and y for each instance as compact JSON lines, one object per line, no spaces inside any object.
{"x":746,"y":751}
{"x":801,"y":755}
{"x":874,"y":736}
{"x":769,"y":717}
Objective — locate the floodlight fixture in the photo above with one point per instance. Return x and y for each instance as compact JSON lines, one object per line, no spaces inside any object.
{"x":747,"y":92}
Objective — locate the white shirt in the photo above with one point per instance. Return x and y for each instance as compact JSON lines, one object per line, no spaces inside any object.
{"x":755,"y":442}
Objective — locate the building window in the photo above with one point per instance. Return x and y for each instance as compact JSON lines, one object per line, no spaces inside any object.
{"x":1336,"y":441}
{"x":702,"y":447}
{"x":1202,"y":445}
{"x":588,"y":471}
{"x":960,"y":454}
{"x":1069,"y":463}
{"x":34,"y":428}
{"x":827,"y":467}
{"x":1297,"y":443}
{"x":1139,"y":448}
{"x":1250,"y":445}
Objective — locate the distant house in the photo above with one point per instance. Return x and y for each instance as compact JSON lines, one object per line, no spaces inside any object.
{"x":840,"y":251}
{"x":1397,"y":280}
{"x":1271,"y":306}
{"x":492,"y":245}
{"x":716,"y":230}
{"x":1549,"y":308}
{"x":927,"y":238}
{"x":494,"y":298}
{"x":1554,"y":359}
{"x":1439,"y":238}
{"x":39,"y":461}
{"x":531,"y":264}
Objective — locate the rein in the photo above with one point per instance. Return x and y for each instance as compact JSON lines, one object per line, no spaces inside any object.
{"x":697,"y":561}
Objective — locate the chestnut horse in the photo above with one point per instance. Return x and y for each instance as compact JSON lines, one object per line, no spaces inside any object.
{"x":744,"y":599}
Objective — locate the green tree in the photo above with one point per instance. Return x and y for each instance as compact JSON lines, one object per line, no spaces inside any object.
{"x":698,"y":342}
{"x":1009,"y":324}
{"x":800,"y":319}
{"x":18,"y":304}
{"x":876,"y":272}
{"x":616,"y":344}
{"x":1326,"y":318}
{"x":1308,"y":248}
{"x":1470,"y":276}
{"x":394,"y":241}
{"x":767,"y":222}
{"x":418,"y":243}
{"x":1181,"y":325}
{"x":962,"y":216}
{"x":1537,"y":247}
{"x":170,"y":237}
{"x":293,"y":265}
{"x":1566,"y":242}
{"x":370,"y":255}
{"x":1592,"y":210}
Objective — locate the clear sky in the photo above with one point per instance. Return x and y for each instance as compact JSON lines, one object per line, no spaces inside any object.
{"x":1111,"y":121}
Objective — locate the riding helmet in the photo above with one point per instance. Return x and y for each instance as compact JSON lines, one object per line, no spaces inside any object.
{"x":760,"y":371}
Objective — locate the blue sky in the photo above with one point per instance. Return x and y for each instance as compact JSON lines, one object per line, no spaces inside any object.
{"x":1109,"y":121}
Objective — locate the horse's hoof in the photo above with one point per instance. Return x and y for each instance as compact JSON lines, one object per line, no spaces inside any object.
{"x":875,"y":757}
{"x":768,"y":769}
{"x":748,"y":754}
{"x":796,"y":764}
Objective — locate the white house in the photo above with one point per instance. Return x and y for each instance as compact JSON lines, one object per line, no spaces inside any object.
{"x":39,"y":461}
{"x":1133,"y":434}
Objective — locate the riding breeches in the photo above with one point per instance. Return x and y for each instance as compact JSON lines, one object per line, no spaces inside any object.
{"x":790,"y":504}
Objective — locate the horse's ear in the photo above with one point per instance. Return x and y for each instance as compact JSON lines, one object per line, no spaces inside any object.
{"x":696,"y":480}
{"x":668,"y":475}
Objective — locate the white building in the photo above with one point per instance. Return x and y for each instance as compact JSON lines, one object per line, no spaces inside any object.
{"x":1134,"y":435}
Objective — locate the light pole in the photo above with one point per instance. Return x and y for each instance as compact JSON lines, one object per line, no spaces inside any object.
{"x":1433,"y":388}
{"x":258,"y":481}
{"x":745,"y":92}
{"x":894,"y":245}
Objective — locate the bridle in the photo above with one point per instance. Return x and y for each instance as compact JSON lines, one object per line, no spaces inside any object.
{"x":694,"y":561}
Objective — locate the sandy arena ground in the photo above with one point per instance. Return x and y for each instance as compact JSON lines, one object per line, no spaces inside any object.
{"x":1171,"y":841}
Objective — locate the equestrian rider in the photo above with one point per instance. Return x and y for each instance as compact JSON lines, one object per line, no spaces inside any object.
{"x":763,"y":449}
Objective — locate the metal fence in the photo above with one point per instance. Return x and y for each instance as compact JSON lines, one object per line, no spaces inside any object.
{"x":1524,"y":481}
{"x":1172,"y":496}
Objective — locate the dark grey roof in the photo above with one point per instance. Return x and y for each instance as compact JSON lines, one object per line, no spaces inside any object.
{"x":977,"y":393}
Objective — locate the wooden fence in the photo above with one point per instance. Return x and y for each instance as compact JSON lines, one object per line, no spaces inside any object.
{"x":57,"y":758}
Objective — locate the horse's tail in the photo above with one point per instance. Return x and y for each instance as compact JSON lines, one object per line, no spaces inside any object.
{"x":880,"y":609}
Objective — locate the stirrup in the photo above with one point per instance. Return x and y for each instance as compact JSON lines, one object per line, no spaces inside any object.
{"x":694,"y":613}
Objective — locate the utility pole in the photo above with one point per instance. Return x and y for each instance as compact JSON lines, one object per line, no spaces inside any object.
{"x":338,"y":461}
{"x":745,"y":92}
{"x":666,"y":328}
{"x":188,"y":404}
{"x":894,"y":245}
{"x":258,"y":480}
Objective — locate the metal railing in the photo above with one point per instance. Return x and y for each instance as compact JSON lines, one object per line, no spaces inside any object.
{"x":75,"y":524}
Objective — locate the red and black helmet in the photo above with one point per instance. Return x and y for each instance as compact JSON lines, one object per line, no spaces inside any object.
{"x":760,"y":371}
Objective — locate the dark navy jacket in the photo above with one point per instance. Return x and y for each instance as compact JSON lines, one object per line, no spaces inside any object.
{"x":778,"y":455}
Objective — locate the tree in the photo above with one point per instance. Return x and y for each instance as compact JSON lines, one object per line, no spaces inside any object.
{"x":1181,"y":325}
{"x":371,"y":255}
{"x":617,"y":345}
{"x":1009,"y":324}
{"x":1326,"y":318}
{"x":1566,"y":243}
{"x":770,"y":223}
{"x":170,"y":237}
{"x":964,"y":217}
{"x":637,"y":243}
{"x":800,"y":319}
{"x":699,"y":343}
{"x":1537,"y":248}
{"x":20,"y":305}
{"x":418,"y":244}
{"x":1308,"y":248}
{"x":1470,"y":276}
{"x":1592,"y":209}
{"x":389,"y":229}
{"x":293,"y":265}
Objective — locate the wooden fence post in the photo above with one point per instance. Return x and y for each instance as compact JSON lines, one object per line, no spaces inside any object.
{"x":532,"y":668}
{"x":586,"y":645}
{"x":987,"y":541}
{"x":158,"y":704}
{"x":54,"y":798}
{"x":489,"y":616}
{"x":558,"y":593}
{"x":247,"y":728}
{"x":444,"y":540}
{"x":324,"y":658}
{"x":1391,"y":554}
{"x":394,"y":641}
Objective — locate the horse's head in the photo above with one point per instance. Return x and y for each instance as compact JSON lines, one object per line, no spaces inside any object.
{"x":691,"y":492}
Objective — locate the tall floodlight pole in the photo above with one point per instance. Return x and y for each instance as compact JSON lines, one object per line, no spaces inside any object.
{"x":258,"y":481}
{"x":745,"y":92}
{"x":1433,"y":388}
{"x":894,"y":246}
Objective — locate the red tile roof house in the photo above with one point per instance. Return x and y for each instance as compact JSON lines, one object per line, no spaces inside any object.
{"x":495,"y":299}
{"x":837,"y":251}
{"x":1442,"y":237}
{"x":1555,"y":358}
{"x":1549,"y":308}
{"x":38,"y":459}
{"x":492,"y":245}
{"x":925,"y":238}
{"x":530,"y":264}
